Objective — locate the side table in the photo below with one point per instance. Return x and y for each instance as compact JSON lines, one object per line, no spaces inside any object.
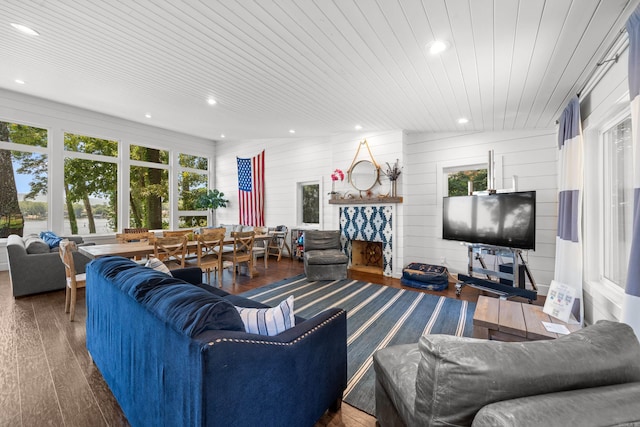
{"x":502,"y":320}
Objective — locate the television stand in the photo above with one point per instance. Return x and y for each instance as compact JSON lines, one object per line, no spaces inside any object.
{"x":510,"y":279}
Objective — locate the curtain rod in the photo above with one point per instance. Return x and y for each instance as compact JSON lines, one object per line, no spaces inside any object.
{"x":603,"y":61}
{"x":590,"y":81}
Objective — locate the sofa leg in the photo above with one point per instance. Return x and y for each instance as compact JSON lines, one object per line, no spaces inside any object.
{"x":336,"y":405}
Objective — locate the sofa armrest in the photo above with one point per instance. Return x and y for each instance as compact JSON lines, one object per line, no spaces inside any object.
{"x":598,"y":406}
{"x":303,"y":370}
{"x":191,"y":275}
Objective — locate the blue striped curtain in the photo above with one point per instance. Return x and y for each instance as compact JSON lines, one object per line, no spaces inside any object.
{"x":631,"y":305}
{"x":568,"y":268}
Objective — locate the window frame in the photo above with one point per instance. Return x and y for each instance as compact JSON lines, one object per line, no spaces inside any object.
{"x":608,"y":125}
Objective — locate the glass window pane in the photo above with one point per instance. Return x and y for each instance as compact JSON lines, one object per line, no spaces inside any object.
{"x":311,"y":204}
{"x":90,"y":190}
{"x":194,"y":162}
{"x":190,"y":187}
{"x":90,"y":145}
{"x":458,"y":182}
{"x":23,"y":134}
{"x":192,"y":221}
{"x":618,"y":201}
{"x":23,"y":201}
{"x":145,"y":154}
{"x":149,"y":198}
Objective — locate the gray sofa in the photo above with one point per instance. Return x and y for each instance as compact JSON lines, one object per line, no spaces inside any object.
{"x":323,"y":257}
{"x":35,"y":268}
{"x":588,"y":378}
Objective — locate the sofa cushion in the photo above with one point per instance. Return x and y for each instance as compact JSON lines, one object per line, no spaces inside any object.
{"x":187,"y":308}
{"x":192,"y":310}
{"x":615,"y":405}
{"x":268,"y":321}
{"x":326,"y":257}
{"x":458,"y":376}
{"x":35,"y":245}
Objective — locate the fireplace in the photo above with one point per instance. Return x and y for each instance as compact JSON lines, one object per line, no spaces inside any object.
{"x":366,"y":256}
{"x":371,"y":223}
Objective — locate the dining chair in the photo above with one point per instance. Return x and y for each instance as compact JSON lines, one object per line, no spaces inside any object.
{"x":171,"y":250}
{"x":209,"y":253}
{"x":179,"y":233}
{"x":242,"y":251}
{"x":278,"y":242}
{"x":260,"y":247}
{"x":129,"y":235}
{"x":74,"y":280}
{"x":134,"y":235}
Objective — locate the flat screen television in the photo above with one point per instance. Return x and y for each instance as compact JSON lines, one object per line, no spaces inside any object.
{"x":502,"y":219}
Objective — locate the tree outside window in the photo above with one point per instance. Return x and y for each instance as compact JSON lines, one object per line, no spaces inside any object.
{"x":90,"y":186}
{"x":310,"y":203}
{"x":149,"y":188}
{"x":458,"y":182}
{"x":23,"y":179}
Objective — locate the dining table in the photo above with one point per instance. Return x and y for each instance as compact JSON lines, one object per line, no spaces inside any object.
{"x":141,"y":249}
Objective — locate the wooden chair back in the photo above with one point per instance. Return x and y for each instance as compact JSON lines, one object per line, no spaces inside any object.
{"x":242,"y":251}
{"x":171,"y":250}
{"x":74,"y":280}
{"x":210,"y":244}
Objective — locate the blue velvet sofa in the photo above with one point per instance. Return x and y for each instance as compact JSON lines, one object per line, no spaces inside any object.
{"x":173,"y":354}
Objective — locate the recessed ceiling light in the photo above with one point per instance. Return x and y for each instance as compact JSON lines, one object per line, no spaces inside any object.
{"x":437,"y":46}
{"x":292,"y":131}
{"x":222,"y":135}
{"x":358,"y":127}
{"x":26,"y":30}
{"x":20,"y":82}
{"x":463,"y":120}
{"x":211,"y":101}
{"x":148,"y":115}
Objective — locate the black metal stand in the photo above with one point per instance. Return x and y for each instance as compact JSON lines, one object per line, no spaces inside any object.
{"x":502,"y":286}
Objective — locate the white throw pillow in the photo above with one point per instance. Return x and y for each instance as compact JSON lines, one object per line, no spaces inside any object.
{"x":268,"y":321}
{"x":156,"y":264}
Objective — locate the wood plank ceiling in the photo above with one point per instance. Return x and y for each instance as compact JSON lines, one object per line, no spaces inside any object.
{"x":317,"y":66}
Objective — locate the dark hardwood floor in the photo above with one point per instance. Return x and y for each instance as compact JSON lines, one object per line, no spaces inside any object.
{"x":47,"y":377}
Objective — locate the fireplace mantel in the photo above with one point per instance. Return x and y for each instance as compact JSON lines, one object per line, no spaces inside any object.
{"x":366,"y":201}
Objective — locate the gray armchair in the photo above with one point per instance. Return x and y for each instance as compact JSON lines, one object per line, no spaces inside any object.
{"x":323,"y":257}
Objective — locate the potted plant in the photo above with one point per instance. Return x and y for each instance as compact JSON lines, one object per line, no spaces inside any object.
{"x":212,"y":199}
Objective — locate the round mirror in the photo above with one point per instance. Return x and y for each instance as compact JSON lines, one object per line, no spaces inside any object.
{"x":363,"y":175}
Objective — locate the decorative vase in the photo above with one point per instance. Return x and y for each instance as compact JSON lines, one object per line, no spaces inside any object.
{"x":394,"y":188}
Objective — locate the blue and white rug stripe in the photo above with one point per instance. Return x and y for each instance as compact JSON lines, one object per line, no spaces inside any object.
{"x":377,"y":316}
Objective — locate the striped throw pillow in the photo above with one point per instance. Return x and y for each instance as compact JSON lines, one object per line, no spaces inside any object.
{"x":268,"y":321}
{"x":156,"y":264}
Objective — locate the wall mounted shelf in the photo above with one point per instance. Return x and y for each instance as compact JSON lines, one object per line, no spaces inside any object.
{"x":366,"y":201}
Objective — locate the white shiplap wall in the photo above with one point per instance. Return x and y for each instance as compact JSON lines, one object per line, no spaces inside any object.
{"x":292,"y":160}
{"x":531,"y":155}
{"x":59,"y":118}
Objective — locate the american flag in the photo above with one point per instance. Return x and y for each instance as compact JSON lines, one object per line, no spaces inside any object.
{"x":251,"y":190}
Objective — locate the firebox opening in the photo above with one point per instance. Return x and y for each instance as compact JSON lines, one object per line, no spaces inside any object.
{"x":367,"y":256}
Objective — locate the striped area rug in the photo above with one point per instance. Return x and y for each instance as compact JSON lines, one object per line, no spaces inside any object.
{"x":377,"y":316}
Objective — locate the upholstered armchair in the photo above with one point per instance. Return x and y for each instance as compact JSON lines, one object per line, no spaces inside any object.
{"x":323,"y":257}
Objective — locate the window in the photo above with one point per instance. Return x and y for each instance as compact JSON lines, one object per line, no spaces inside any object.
{"x":309,"y":210}
{"x":193,"y":180}
{"x":458,"y":180}
{"x":149,"y":188}
{"x":23,"y":179}
{"x":617,"y":200}
{"x":90,"y":184}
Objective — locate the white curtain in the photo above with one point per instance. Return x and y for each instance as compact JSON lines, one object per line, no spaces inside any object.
{"x":631,"y":306}
{"x":568,"y":268}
